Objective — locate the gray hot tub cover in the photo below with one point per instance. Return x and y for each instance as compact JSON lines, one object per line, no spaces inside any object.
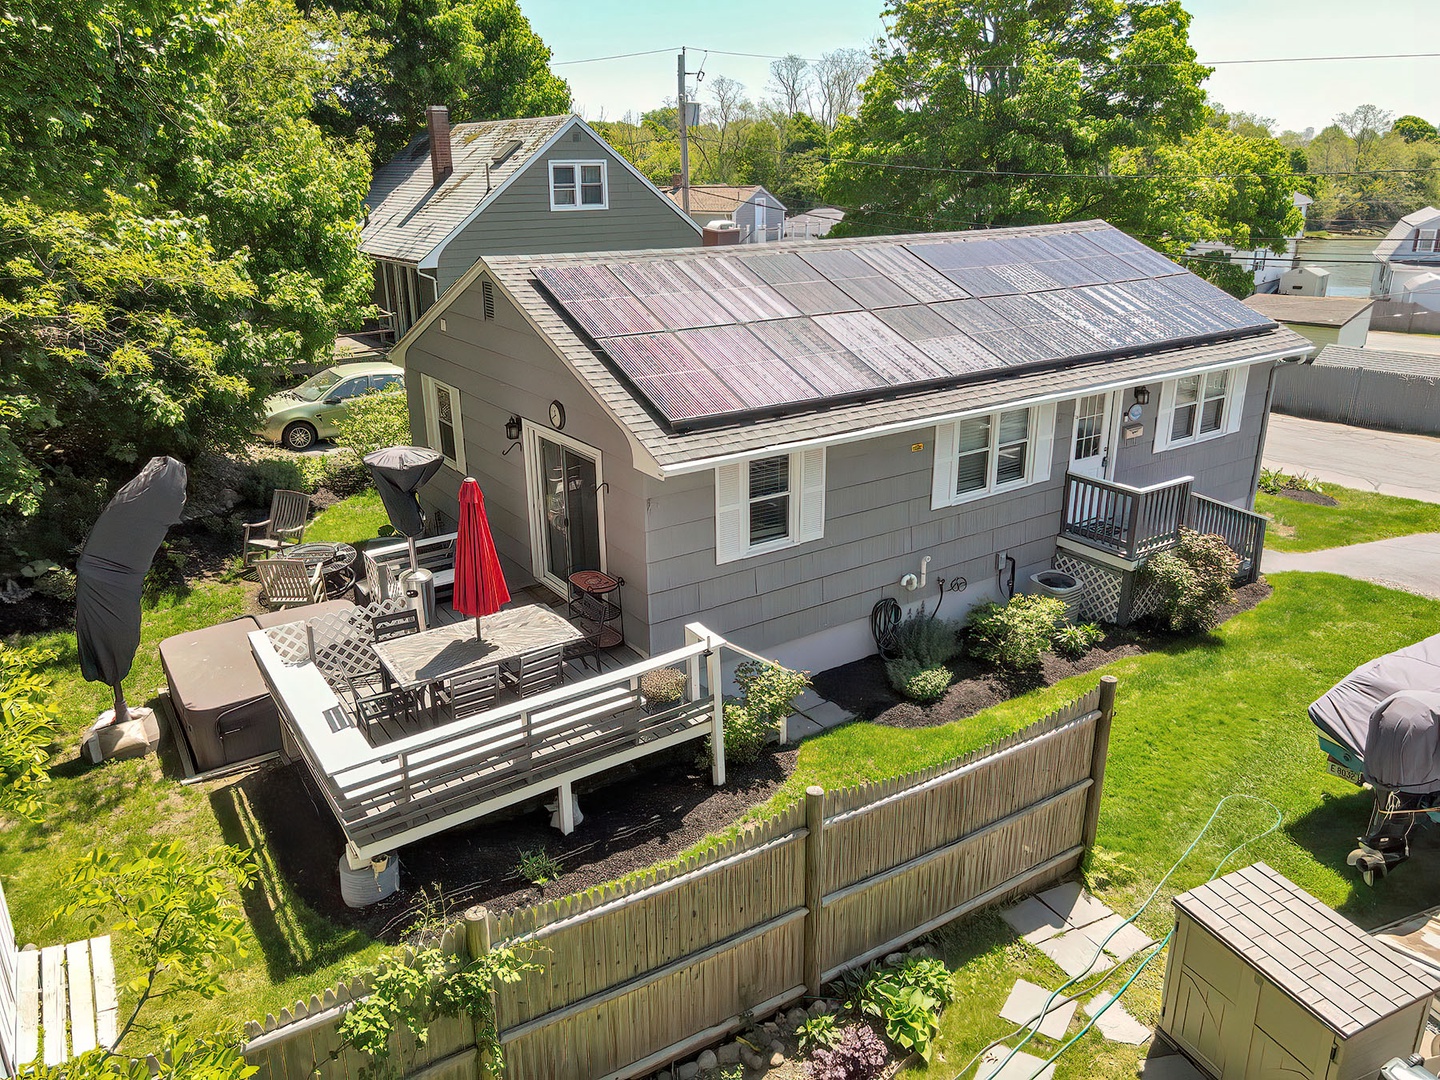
{"x":399,"y":472}
{"x":110,"y":573}
{"x":1344,"y":712}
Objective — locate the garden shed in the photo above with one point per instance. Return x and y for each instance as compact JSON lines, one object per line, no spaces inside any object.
{"x":1264,"y":980}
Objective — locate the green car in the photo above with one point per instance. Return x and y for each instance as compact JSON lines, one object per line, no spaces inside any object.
{"x":297,"y":418}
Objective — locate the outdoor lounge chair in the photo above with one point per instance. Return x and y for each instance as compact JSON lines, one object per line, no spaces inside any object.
{"x":289,"y":582}
{"x":470,"y":693}
{"x":541,"y":670}
{"x":284,"y":528}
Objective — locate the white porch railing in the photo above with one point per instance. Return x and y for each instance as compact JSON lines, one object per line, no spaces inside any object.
{"x":390,"y":795}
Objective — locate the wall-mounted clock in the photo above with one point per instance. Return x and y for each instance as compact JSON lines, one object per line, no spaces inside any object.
{"x":557,"y":415}
{"x":1135,"y":411}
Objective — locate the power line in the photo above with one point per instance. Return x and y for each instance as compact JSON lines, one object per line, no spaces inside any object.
{"x":614,"y":56}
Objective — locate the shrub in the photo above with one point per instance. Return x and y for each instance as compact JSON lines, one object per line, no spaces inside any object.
{"x":859,"y":1055}
{"x":769,"y":690}
{"x":538,"y":866}
{"x":916,"y":683}
{"x":663,"y":686}
{"x":1073,"y":642}
{"x":928,"y":975}
{"x":372,"y":422}
{"x":818,"y":1031}
{"x":928,"y":642}
{"x":911,"y":1016}
{"x":1273,"y":481}
{"x":1193,"y":580}
{"x":745,"y":735}
{"x":263,"y":475}
{"x":1014,"y":636}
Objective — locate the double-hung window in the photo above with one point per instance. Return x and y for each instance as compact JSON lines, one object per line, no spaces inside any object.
{"x":768,"y":503}
{"x":443,"y":422}
{"x":578,"y":185}
{"x":1195,"y":408}
{"x":980,"y":455}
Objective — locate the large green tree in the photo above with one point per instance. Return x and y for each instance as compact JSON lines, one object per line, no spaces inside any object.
{"x":479,"y":57}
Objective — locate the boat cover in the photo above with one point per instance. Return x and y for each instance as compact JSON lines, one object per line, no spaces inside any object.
{"x":1344,"y":712}
{"x":1402,"y":751}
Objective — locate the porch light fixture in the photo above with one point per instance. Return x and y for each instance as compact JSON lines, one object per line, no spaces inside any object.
{"x":1142,"y":395}
{"x":512,"y":434}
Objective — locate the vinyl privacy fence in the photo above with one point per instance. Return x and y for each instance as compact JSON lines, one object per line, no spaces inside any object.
{"x":636,"y":974}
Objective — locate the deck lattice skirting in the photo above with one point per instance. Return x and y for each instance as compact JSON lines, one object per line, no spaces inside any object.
{"x":640,"y":973}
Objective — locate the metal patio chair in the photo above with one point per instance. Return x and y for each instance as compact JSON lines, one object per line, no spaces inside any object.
{"x":382,"y":717}
{"x":284,"y":528}
{"x":396,"y":624}
{"x":289,"y":582}
{"x":469,"y":693}
{"x":541,"y":670}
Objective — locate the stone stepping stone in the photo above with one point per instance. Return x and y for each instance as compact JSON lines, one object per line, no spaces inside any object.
{"x":1116,"y":1024}
{"x":1024,"y":1005}
{"x":1020,"y":1067}
{"x":1071,"y":903}
{"x":1075,"y":954}
{"x":1128,"y":939}
{"x":1033,"y":921}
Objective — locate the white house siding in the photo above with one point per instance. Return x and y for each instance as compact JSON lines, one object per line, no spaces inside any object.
{"x":520,"y":221}
{"x":878,"y":526}
{"x":501,"y":367}
{"x":1224,"y":468}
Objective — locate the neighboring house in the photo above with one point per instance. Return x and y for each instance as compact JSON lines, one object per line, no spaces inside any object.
{"x":759,"y":215}
{"x":501,"y":187}
{"x":1266,"y":265}
{"x":1324,"y":320}
{"x":769,"y":440}
{"x":1409,"y":252}
{"x":813,"y":224}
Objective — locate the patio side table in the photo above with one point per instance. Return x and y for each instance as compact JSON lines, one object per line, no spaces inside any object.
{"x":596,"y":609}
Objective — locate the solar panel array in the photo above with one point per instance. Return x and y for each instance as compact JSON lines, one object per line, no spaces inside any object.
{"x":708,"y":338}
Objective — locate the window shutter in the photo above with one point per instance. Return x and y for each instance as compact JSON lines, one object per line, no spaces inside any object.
{"x":730,"y":525}
{"x":942,"y":485}
{"x":812,"y":495}
{"x":1165,"y":419}
{"x":1235,"y":403}
{"x":1044,"y":443}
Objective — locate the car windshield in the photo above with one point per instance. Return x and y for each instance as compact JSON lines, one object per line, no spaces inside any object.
{"x":317,"y":386}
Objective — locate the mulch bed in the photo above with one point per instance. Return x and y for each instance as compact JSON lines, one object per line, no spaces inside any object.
{"x":1317,"y":498}
{"x":634,"y":821}
{"x":862,"y":688}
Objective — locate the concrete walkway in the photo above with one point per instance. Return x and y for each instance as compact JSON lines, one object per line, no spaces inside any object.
{"x":1411,"y":563}
{"x":1383,"y":461}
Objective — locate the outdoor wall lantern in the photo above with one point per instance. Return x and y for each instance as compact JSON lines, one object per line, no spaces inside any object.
{"x":512,"y":433}
{"x":1142,"y":395}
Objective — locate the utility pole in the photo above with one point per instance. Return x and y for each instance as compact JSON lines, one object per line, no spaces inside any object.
{"x":680,"y":74}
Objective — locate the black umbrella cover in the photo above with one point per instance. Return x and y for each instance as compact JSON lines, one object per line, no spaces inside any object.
{"x":111,"y":571}
{"x":399,"y":472}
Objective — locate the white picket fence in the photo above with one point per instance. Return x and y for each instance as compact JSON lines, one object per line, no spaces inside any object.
{"x":9,"y":994}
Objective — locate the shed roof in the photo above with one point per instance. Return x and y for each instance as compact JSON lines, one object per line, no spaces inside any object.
{"x":1325,"y":963}
{"x":1401,"y":230}
{"x":1393,"y":361}
{"x":720,"y":198}
{"x":813,"y":223}
{"x":676,"y":452}
{"x":407,"y":215}
{"x":1308,"y":310}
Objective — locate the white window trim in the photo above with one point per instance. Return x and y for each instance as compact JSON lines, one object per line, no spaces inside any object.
{"x":1230,"y":421}
{"x":531,"y":435}
{"x":732,"y":505}
{"x":1039,"y":450}
{"x":432,"y":420}
{"x":576,"y":163}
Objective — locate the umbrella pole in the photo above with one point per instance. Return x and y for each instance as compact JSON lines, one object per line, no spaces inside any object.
{"x":122,"y":711}
{"x":414,"y":562}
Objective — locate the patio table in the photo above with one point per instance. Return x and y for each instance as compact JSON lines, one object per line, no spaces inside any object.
{"x":431,"y":655}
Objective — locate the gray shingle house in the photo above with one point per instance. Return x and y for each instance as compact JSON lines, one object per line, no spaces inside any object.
{"x":546,"y":183}
{"x":770,"y":439}
{"x":758,"y":214}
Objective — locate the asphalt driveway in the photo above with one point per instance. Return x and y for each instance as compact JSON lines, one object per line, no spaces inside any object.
{"x":1383,"y":461}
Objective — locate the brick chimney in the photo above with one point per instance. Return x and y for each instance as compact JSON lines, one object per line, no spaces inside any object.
{"x":676,"y":180}
{"x":437,"y":123}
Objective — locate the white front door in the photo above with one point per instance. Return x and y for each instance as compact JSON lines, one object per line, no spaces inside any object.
{"x":1090,"y":440}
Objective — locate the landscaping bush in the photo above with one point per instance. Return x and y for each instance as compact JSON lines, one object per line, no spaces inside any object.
{"x":1193,"y":580}
{"x":818,"y":1031}
{"x":923,"y":685}
{"x":1073,"y":642}
{"x":858,"y":1055}
{"x":1273,"y":481}
{"x":908,"y":1000}
{"x":662,"y":687}
{"x":1014,"y":636}
{"x":538,"y":866}
{"x":264,"y":475}
{"x":767,"y":695}
{"x":745,"y":735}
{"x":374,"y":421}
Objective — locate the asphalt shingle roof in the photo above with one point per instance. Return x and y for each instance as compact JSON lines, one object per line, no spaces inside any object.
{"x":1308,"y":310}
{"x":719,"y":198}
{"x":1325,"y":963}
{"x":674,"y":451}
{"x":1428,"y":218}
{"x":407,"y":216}
{"x":1410,"y":365}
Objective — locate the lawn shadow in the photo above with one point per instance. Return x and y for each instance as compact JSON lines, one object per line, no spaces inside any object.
{"x":294,"y":938}
{"x":1330,"y":831}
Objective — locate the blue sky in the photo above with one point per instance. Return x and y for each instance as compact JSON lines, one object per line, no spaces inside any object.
{"x":1296,"y":95}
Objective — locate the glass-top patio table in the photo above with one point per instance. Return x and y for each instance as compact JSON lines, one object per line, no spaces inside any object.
{"x":417,"y":659}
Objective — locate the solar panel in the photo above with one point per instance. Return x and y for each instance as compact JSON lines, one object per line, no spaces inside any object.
{"x":881,"y":348}
{"x":861,"y":282}
{"x":746,"y":366}
{"x":812,"y":292}
{"x":671,"y":296}
{"x":588,"y":282}
{"x":824,"y":362}
{"x":912,"y":273}
{"x":671,"y":377}
{"x":736,"y":289}
{"x":939,"y":339}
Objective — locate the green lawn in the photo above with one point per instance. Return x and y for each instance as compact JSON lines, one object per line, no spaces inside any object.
{"x":357,"y":518}
{"x":1360,"y":517}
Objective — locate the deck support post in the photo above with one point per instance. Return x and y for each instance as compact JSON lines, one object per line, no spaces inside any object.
{"x":566,"y":809}
{"x":717,"y":724}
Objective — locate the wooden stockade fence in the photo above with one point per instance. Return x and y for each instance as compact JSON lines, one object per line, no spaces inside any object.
{"x":637,"y":974}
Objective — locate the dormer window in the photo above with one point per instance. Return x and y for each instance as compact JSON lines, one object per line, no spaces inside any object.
{"x":578,"y":185}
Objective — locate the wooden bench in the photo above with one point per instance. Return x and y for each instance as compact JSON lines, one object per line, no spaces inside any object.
{"x":66,"y":993}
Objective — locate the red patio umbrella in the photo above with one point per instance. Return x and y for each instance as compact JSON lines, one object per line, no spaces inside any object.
{"x":480,"y":587}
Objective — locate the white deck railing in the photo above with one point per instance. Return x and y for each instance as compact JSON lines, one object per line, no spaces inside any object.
{"x":394,"y":794}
